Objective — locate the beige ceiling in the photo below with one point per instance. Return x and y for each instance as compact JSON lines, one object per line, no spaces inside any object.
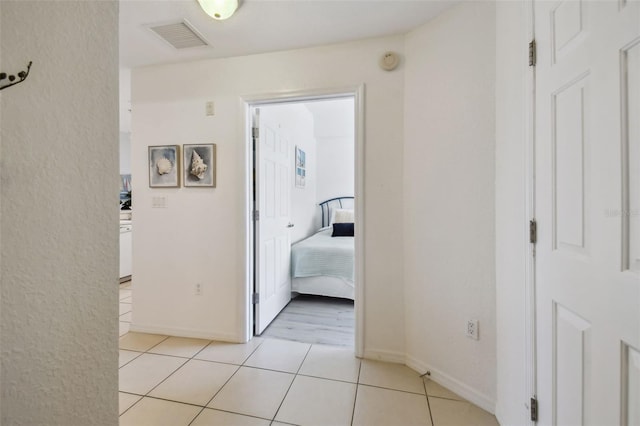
{"x":261,"y":26}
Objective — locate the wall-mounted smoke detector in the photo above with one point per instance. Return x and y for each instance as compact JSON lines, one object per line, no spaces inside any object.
{"x":389,"y":61}
{"x":180,"y":35}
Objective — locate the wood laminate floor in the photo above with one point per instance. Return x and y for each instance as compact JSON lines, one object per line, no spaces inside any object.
{"x":315,"y":319}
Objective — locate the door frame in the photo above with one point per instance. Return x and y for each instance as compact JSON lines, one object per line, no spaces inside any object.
{"x":247,"y":254}
{"x":530,"y":210}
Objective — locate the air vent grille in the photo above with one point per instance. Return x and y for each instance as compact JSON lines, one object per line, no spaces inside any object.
{"x":180,"y":35}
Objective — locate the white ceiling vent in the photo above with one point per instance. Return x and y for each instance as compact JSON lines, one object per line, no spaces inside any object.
{"x":181,"y":35}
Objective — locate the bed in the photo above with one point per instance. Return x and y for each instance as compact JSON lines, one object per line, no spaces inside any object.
{"x":324,"y":265}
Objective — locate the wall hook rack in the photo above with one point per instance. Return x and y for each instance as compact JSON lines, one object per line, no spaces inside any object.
{"x":13,"y":80}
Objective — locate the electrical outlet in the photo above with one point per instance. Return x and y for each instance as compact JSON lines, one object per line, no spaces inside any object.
{"x":472,"y":330}
{"x":198,"y":289}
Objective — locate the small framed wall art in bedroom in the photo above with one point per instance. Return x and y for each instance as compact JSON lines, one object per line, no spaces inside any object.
{"x":164,"y":166}
{"x":301,"y":168}
{"x":199,"y":165}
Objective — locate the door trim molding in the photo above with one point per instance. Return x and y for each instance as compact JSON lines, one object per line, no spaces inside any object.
{"x":245,"y":311}
{"x":530,"y":209}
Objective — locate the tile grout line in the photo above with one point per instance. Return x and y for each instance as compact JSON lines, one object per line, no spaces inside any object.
{"x":165,"y":379}
{"x":448,"y":399}
{"x":142,"y":396}
{"x":132,"y":405}
{"x":162,"y":381}
{"x":172,"y":373}
{"x":291,"y":384}
{"x":141,"y":352}
{"x":392,"y":389}
{"x":327,"y":378}
{"x":202,"y":349}
{"x":424,"y":384}
{"x":355,"y":398}
{"x":230,"y":412}
{"x":225,"y":383}
{"x":128,"y":362}
{"x":216,"y":394}
{"x":191,"y":404}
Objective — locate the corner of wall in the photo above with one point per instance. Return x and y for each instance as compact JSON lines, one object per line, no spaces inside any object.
{"x":454,"y":385}
{"x":449,"y":209}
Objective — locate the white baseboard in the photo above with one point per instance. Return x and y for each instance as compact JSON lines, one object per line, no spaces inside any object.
{"x":498,"y":414}
{"x":386,"y":356}
{"x":184,"y":332}
{"x":454,"y":385}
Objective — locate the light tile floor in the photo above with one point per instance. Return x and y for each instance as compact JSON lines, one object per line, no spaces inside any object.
{"x":192,"y":382}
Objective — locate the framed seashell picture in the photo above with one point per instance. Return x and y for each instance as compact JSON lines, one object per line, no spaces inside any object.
{"x":199,"y":165}
{"x":164,"y":166}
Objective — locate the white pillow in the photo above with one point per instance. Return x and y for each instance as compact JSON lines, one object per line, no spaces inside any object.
{"x":342,"y":216}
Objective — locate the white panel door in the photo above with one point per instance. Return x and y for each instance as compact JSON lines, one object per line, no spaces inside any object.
{"x":587,"y":207}
{"x":273,"y":242}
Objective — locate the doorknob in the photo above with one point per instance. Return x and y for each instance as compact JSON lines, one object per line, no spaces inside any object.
{"x":290,"y":225}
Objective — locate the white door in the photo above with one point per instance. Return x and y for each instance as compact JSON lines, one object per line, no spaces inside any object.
{"x":588,"y":212}
{"x":273,"y":242}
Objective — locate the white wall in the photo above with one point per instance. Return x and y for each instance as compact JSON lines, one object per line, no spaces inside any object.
{"x":511,"y":219}
{"x":124,"y":84}
{"x":199,"y":237}
{"x":336,"y":173}
{"x":125,"y":153}
{"x":449,"y":239}
{"x":125,"y":100}
{"x":334,"y":131}
{"x":58,"y":219}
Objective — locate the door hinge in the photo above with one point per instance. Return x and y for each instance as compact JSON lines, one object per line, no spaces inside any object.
{"x":534,"y":409}
{"x":255,"y":298}
{"x":256,"y":215}
{"x":255,"y":132}
{"x":533,"y":231}
{"x":533,"y":54}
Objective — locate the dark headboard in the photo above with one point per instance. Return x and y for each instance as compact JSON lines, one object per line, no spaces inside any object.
{"x":328,"y":206}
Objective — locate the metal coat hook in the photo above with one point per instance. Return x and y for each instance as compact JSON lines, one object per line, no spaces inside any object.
{"x":22,"y":76}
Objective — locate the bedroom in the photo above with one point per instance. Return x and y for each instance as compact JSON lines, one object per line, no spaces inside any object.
{"x":320,"y":134}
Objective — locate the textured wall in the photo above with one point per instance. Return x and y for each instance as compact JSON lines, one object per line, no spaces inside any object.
{"x":58,"y":219}
{"x":449,"y":198}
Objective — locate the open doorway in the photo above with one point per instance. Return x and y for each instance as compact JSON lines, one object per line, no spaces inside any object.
{"x":303,"y":202}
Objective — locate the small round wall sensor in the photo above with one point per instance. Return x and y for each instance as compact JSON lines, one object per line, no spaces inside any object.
{"x":389,"y":61}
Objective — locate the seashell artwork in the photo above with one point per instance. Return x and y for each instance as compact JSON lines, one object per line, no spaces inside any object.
{"x":199,"y":165}
{"x":198,"y":168}
{"x":164,"y":166}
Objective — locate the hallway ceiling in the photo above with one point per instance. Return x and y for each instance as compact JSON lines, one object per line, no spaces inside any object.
{"x":260,"y":26}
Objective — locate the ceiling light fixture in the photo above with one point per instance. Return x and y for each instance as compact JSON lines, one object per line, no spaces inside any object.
{"x":219,"y":9}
